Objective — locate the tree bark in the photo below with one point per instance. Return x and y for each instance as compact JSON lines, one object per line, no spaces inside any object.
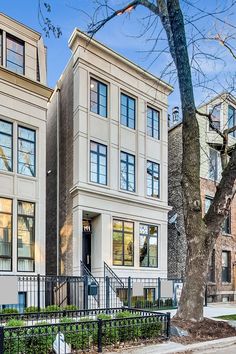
{"x":191,"y":302}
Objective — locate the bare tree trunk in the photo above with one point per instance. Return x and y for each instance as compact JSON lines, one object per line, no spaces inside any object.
{"x":191,"y":302}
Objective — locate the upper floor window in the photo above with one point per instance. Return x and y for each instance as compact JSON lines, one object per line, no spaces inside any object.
{"x":25,"y":236}
{"x":15,"y":54}
{"x":123,"y":243}
{"x":127,"y":110}
{"x":5,"y":234}
{"x":6,"y":132}
{"x":148,"y":255}
{"x":127,"y":172}
{"x":153,"y":179}
{"x":213,"y":172}
{"x":26,"y":151}
{"x":98,"y":97}
{"x":211,"y":267}
{"x":215,"y":116}
{"x":226,"y":226}
{"x":98,"y":163}
{"x":226,"y":271}
{"x":153,"y":123}
{"x":231,"y":119}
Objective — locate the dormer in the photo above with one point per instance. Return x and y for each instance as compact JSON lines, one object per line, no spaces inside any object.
{"x":22,"y":50}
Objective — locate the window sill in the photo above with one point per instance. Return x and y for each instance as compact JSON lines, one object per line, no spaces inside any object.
{"x":99,"y":185}
{"x":128,"y":128}
{"x":96,"y":115}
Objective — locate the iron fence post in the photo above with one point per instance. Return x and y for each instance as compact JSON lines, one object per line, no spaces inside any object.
{"x":129,"y":292}
{"x":99,"y":336}
{"x":159,"y":292}
{"x":107,"y":292}
{"x":168,"y":325}
{"x":86,"y":292}
{"x":38,"y":291}
{"x":1,"y":340}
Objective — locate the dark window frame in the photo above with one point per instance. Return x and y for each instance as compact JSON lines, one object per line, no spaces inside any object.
{"x":216,"y":121}
{"x":153,"y":179}
{"x":98,"y":156}
{"x":127,"y":173}
{"x":148,"y":236}
{"x":127,"y":106}
{"x":19,"y":41}
{"x":1,"y":47}
{"x":232,"y":118}
{"x":152,"y":123}
{"x":226,"y":270}
{"x":33,"y":244}
{"x":98,"y":94}
{"x":12,"y":147}
{"x":11,"y":214}
{"x":28,"y":141}
{"x":213,"y":170}
{"x":212,"y":268}
{"x":123,"y":232}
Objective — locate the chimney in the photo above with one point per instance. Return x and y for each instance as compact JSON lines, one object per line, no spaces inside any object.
{"x":175,"y":115}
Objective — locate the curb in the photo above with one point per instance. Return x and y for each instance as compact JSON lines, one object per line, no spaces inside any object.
{"x":212,"y":344}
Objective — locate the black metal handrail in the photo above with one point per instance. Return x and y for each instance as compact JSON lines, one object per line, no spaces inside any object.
{"x":111,"y":274}
{"x":86,"y":272}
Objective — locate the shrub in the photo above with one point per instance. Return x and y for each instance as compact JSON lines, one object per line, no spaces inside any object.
{"x":70,"y":308}
{"x":14,"y":341}
{"x":150,"y":327}
{"x":31,"y":309}
{"x":52,"y":308}
{"x":110,"y":332}
{"x":79,"y":336}
{"x":9,"y":310}
{"x":39,"y":339}
{"x":128,"y":328}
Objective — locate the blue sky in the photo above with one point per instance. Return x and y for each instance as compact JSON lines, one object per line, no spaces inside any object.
{"x":121,"y":36}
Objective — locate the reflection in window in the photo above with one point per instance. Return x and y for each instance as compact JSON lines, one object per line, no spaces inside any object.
{"x":98,"y":163}
{"x":5,"y":146}
{"x":213,"y":171}
{"x":153,"y":123}
{"x":26,"y":151}
{"x":98,"y":97}
{"x":127,"y":111}
{"x":5,"y":234}
{"x":148,"y":251}
{"x":25,"y":236}
{"x":232,"y":119}
{"x":226,"y":271}
{"x":215,"y":116}
{"x":123,"y":243}
{"x":15,"y":55}
{"x":153,"y":179}
{"x":127,"y":172}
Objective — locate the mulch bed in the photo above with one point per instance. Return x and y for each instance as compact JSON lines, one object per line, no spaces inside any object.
{"x":202,"y":331}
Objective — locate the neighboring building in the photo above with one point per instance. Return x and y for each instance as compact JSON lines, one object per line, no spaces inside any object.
{"x":108,"y":155}
{"x":23,"y":110}
{"x":221,"y":274}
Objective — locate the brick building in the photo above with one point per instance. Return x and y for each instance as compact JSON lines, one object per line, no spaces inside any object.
{"x":221,"y":272}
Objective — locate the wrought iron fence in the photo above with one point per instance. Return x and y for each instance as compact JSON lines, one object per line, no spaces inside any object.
{"x":98,"y":331}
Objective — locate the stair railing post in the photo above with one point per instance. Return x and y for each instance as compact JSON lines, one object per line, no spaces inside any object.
{"x":85,"y":292}
{"x":159,"y":292}
{"x":38,"y":292}
{"x":129,"y":292}
{"x":107,"y":292}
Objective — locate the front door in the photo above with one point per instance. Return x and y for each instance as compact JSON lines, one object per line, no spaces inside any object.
{"x":87,"y":247}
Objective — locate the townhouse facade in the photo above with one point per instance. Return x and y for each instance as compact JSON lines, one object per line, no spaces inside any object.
{"x":108,"y":157}
{"x":221,"y":272}
{"x":23,"y":111}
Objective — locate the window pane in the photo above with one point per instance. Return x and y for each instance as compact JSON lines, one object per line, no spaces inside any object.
{"x":117,"y":248}
{"x":5,"y":146}
{"x":148,"y":243}
{"x":127,"y":109}
{"x":143,"y":251}
{"x":123,"y":242}
{"x":128,"y":249}
{"x":5,"y":233}
{"x":98,"y":97}
{"x":215,"y":115}
{"x":98,"y":163}
{"x":15,"y":55}
{"x":26,"y":151}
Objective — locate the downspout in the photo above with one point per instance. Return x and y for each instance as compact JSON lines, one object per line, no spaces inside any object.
{"x":58,"y":179}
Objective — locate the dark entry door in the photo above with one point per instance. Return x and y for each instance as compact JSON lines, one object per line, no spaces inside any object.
{"x":87,"y":249}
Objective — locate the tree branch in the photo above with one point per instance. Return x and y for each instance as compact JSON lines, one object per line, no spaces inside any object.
{"x":209,"y":116}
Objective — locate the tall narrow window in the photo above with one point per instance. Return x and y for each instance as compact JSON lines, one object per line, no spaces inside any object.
{"x":213,"y":164}
{"x":211,"y":267}
{"x":127,"y":172}
{"x":226,"y":271}
{"x":5,"y":146}
{"x":215,"y":116}
{"x":231,"y":119}
{"x":208,"y":201}
{"x":98,"y":163}
{"x":153,"y":123}
{"x":15,"y":55}
{"x":0,"y":47}
{"x":5,"y":234}
{"x":98,"y":97}
{"x":26,"y":151}
{"x":148,"y":256}
{"x":25,"y":236}
{"x":127,"y":110}
{"x":123,"y":243}
{"x":153,"y":179}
